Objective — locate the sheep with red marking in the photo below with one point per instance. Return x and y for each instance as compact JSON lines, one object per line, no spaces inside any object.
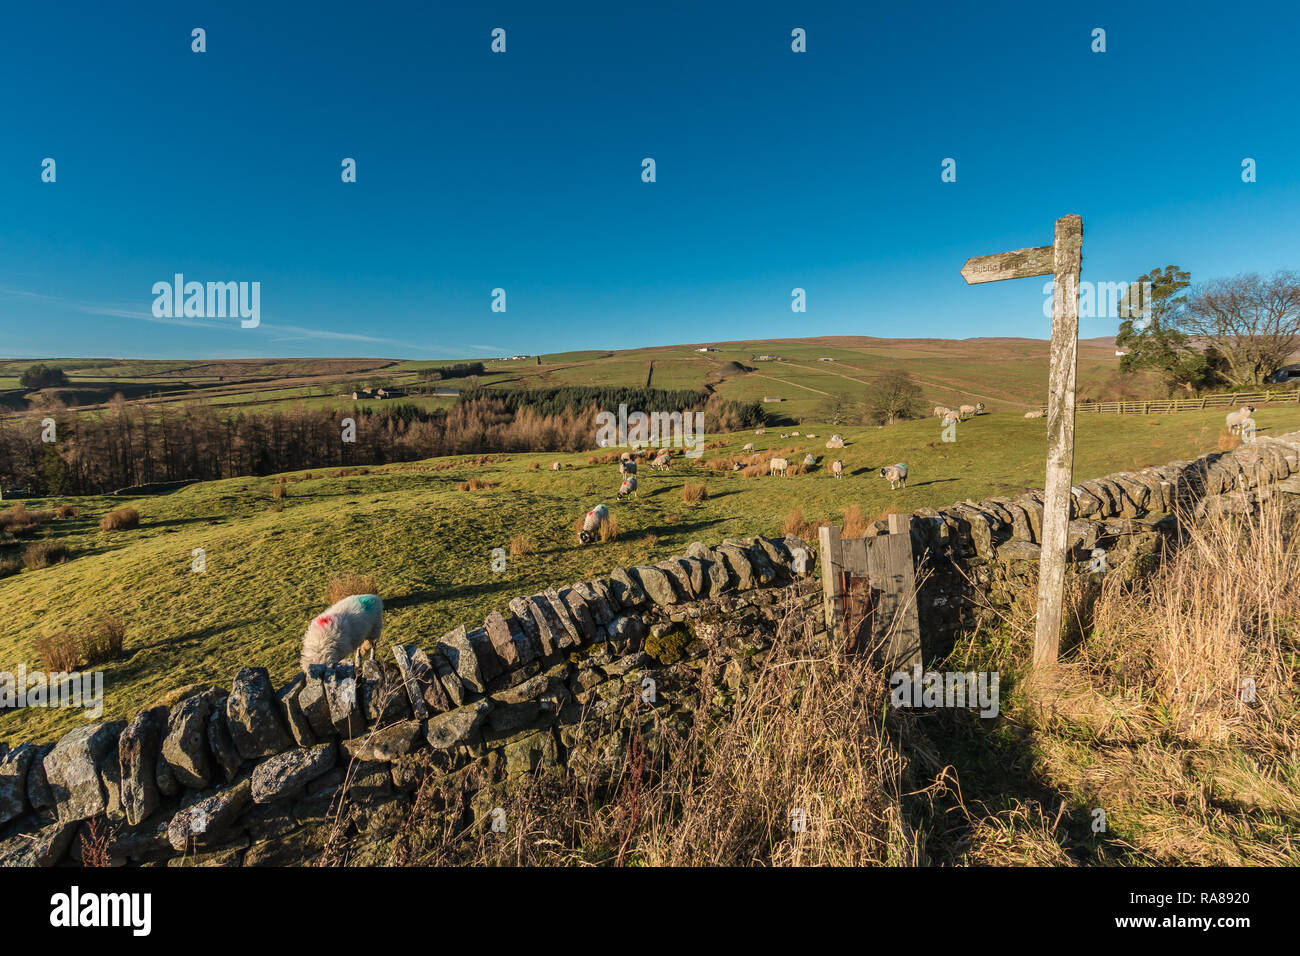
{"x":346,"y":628}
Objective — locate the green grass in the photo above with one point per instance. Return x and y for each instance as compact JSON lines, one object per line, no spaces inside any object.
{"x":429,"y":545}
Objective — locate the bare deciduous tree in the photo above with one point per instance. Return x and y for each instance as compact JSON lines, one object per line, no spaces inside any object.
{"x":1252,"y":322}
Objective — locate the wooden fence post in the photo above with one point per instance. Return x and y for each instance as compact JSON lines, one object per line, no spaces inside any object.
{"x":832,"y":561}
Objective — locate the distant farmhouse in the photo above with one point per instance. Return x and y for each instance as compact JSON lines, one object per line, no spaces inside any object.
{"x":1287,"y":373}
{"x":769,"y":358}
{"x":826,"y":359}
{"x":377,"y":393}
{"x":707,"y":348}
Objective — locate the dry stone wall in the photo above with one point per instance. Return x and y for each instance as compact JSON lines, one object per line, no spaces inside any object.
{"x":263,"y":775}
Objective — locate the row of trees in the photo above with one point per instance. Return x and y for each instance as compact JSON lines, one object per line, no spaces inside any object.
{"x":1237,"y":332}
{"x":130,"y":445}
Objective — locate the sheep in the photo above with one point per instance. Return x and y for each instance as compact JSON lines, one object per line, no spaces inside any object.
{"x":596,"y":517}
{"x":749,"y":446}
{"x":555,"y":466}
{"x":794,"y":434}
{"x":897,"y":475}
{"x":810,"y":435}
{"x":1038,"y":413}
{"x":662,"y":462}
{"x":837,"y":468}
{"x":628,"y":488}
{"x":810,"y":459}
{"x":835,"y":442}
{"x":1235,"y":419}
{"x":950,"y":419}
{"x":784,"y":435}
{"x":627,"y":467}
{"x":760,"y":431}
{"x":737,"y":466}
{"x":970,"y":411}
{"x":350,"y":626}
{"x":777,"y":466}
{"x":942,"y":411}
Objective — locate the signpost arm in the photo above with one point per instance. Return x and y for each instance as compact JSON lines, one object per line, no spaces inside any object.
{"x":1068,"y":260}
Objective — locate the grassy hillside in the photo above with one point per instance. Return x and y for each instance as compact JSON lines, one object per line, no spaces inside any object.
{"x":1005,"y":374}
{"x":429,"y":544}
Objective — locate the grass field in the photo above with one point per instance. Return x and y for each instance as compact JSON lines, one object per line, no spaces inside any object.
{"x":1005,"y":374}
{"x":429,"y":545}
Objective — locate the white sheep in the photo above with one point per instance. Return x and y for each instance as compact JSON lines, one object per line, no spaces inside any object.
{"x":810,"y":459}
{"x":749,"y":446}
{"x":950,"y":419}
{"x":1038,"y":413}
{"x":662,"y":462}
{"x":970,"y":411}
{"x":942,"y":411}
{"x":555,"y":466}
{"x":778,"y":466}
{"x":627,"y":467}
{"x":350,"y":626}
{"x":837,"y":468}
{"x":590,"y":531}
{"x":896,"y":474}
{"x":628,"y":488}
{"x":1238,"y":418}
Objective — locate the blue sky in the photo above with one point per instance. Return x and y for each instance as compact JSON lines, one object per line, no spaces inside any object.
{"x":522,"y":170}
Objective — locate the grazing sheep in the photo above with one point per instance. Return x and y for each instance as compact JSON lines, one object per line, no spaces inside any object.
{"x":950,"y":419}
{"x":591,"y":524}
{"x":897,"y":475}
{"x":777,"y":466}
{"x":748,"y":447}
{"x":555,"y":466}
{"x":1235,"y":419}
{"x":348,"y":627}
{"x":794,"y":434}
{"x":970,"y":411}
{"x":627,"y":467}
{"x":1034,"y":414}
{"x":837,"y":468}
{"x":760,"y":431}
{"x":942,"y":411}
{"x":628,"y":488}
{"x":663,"y":461}
{"x":810,"y":459}
{"x":784,"y":435}
{"x":835,"y":443}
{"x":737,"y":466}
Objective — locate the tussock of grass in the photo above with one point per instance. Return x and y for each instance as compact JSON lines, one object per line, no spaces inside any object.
{"x":123,"y":519}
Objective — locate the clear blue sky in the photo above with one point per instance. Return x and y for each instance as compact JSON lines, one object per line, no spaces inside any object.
{"x":477,"y":170}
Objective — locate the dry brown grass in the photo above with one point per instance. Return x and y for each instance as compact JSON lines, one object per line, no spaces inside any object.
{"x":123,"y":519}
{"x":279,"y":490}
{"x":42,"y":554}
{"x":348,"y":584}
{"x":66,"y":511}
{"x":855,"y":524}
{"x":475,"y":484}
{"x":57,"y":653}
{"x":19,"y":521}
{"x":694,"y":494}
{"x":1228,"y":440}
{"x":609,"y":529}
{"x":103,"y":640}
{"x":795,"y":524}
{"x":520,"y":546}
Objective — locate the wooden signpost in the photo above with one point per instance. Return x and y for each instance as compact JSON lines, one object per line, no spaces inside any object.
{"x":1063,"y":259}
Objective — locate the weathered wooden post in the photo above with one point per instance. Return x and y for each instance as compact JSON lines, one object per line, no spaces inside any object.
{"x":1063,"y":259}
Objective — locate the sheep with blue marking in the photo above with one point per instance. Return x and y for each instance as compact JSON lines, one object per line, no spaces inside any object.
{"x":348,"y":627}
{"x":895,"y":474}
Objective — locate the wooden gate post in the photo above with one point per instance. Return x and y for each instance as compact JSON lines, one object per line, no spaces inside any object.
{"x":1064,"y":260}
{"x":832,"y":562}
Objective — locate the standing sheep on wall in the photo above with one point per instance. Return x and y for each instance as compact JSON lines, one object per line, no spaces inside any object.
{"x":778,"y":466}
{"x":837,"y":468}
{"x":348,"y":627}
{"x":628,"y":488}
{"x":590,"y":530}
{"x":896,"y":474}
{"x":1238,"y":418}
